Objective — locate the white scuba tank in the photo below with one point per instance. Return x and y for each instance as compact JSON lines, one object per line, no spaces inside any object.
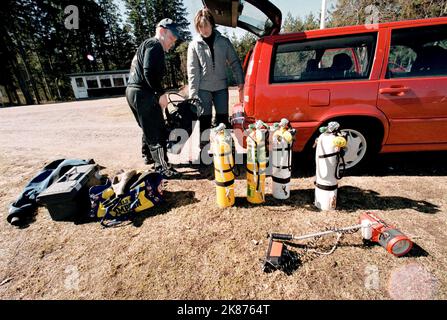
{"x":282,"y":159}
{"x":327,"y":159}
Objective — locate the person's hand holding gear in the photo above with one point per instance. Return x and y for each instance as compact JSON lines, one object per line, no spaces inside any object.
{"x":163,"y":101}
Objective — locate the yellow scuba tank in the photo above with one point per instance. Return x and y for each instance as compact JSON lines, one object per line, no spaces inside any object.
{"x":256,"y":162}
{"x":223,"y":166}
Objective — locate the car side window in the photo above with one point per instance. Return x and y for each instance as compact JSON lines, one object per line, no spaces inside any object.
{"x":400,"y":61}
{"x":328,"y":57}
{"x":418,"y":52}
{"x":341,"y":58}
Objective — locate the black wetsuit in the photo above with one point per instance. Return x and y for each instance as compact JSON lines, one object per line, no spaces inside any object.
{"x":143,"y":91}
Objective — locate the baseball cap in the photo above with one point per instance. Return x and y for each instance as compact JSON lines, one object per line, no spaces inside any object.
{"x":167,"y":23}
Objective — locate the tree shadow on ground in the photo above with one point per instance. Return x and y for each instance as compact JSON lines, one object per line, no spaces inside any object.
{"x":408,"y":164}
{"x":298,"y":199}
{"x":353,"y":199}
{"x":196,"y":172}
{"x":349,"y":199}
{"x":206,"y":172}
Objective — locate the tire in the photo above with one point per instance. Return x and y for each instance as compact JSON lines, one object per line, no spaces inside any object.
{"x":363,"y":143}
{"x":356,"y":147}
{"x":365,"y":136}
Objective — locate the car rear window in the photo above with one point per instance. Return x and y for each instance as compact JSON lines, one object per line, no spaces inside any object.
{"x":340,"y":58}
{"x":418,"y":52}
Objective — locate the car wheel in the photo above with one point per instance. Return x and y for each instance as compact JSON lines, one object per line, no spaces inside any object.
{"x":356,"y":148}
{"x":364,"y":137}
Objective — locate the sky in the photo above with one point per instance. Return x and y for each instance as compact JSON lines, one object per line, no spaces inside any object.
{"x":298,"y":8}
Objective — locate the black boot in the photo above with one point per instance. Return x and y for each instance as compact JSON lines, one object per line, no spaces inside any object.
{"x":205,"y":122}
{"x":161,"y":163}
{"x":145,"y":152}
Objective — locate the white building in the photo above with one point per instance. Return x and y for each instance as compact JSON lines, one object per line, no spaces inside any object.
{"x":99,"y":84}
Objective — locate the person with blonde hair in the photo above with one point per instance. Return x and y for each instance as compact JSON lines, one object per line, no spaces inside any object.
{"x":209,"y":54}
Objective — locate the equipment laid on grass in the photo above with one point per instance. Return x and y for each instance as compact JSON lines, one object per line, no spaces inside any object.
{"x":98,"y":196}
{"x":377,"y":230}
{"x":68,"y":196}
{"x":277,"y":255}
{"x":25,"y":206}
{"x":221,"y":148}
{"x":142,"y":192}
{"x":121,"y":181}
{"x":372,"y":229}
{"x":282,"y":141}
{"x":257,"y":136}
{"x":329,"y":165}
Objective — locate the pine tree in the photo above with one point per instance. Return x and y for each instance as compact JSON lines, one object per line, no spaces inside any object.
{"x":355,"y":12}
{"x":118,"y":44}
{"x":38,"y":51}
{"x":311,"y":22}
{"x":14,"y":34}
{"x":243,"y":45}
{"x":137,"y":17}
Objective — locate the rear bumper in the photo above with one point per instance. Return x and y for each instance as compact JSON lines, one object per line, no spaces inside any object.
{"x":240,"y":122}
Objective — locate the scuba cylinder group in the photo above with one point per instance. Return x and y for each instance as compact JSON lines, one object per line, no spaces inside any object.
{"x":223,"y":166}
{"x":283,"y":136}
{"x":329,"y":165}
{"x":256,"y":161}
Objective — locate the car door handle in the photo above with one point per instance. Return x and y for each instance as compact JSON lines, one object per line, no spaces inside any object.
{"x":395,"y":91}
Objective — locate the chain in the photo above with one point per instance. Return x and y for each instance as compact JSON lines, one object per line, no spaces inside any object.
{"x":293,"y":260}
{"x":313,"y":243}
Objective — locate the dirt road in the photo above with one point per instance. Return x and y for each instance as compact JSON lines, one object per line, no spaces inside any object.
{"x":190,"y":249}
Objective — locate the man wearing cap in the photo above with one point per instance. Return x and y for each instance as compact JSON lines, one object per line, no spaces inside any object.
{"x":146,"y":96}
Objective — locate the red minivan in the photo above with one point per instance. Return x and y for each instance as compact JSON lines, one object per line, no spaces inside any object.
{"x":385,"y":84}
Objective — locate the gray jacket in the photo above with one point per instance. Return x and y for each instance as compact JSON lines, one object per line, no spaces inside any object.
{"x":201,"y":73}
